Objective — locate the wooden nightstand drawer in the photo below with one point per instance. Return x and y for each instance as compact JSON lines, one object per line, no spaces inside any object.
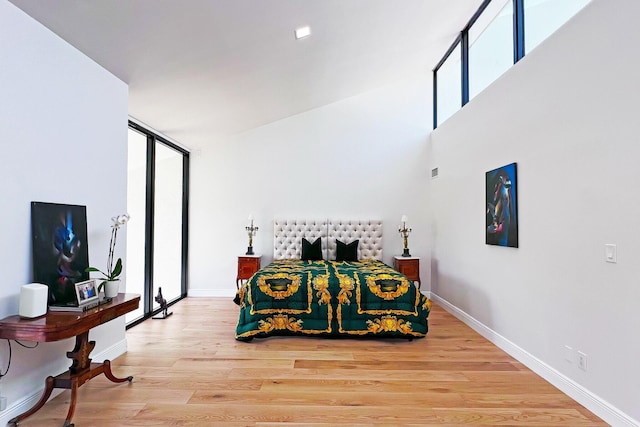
{"x":409,"y":266}
{"x":247,"y":266}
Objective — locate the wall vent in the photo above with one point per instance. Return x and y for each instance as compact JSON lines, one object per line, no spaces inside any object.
{"x":434,"y":173}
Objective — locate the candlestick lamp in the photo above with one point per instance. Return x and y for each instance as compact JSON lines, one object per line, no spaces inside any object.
{"x":404,"y":231}
{"x":251,"y":230}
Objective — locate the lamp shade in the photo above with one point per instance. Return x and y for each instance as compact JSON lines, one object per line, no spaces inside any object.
{"x":403,"y":219}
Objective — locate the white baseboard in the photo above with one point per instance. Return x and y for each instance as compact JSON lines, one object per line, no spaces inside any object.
{"x":24,"y":404}
{"x":118,"y":349}
{"x":586,"y":398}
{"x":201,"y":293}
{"x":27,"y":402}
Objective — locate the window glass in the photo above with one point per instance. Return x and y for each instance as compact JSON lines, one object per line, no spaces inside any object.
{"x":490,"y":47}
{"x":136,"y":196}
{"x":167,"y":245}
{"x":449,"y":88}
{"x":543,"y":17}
{"x":166,"y":239}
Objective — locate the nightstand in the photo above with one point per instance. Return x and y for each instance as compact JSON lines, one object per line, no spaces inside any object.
{"x":409,"y":266}
{"x":247,"y":266}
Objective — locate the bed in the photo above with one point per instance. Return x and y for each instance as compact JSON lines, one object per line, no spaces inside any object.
{"x":328,"y":279}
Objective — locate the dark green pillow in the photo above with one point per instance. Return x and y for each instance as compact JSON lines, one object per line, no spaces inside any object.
{"x":347,"y":252}
{"x":311,"y":251}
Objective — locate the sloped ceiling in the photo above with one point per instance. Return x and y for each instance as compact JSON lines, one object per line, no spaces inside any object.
{"x":198,"y":70}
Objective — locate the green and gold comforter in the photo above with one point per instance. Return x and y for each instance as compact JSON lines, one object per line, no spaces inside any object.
{"x":364,"y":298}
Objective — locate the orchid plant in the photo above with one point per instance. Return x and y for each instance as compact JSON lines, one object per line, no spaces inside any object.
{"x":113,"y":271}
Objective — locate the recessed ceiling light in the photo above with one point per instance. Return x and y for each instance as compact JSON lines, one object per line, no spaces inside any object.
{"x":302,"y":32}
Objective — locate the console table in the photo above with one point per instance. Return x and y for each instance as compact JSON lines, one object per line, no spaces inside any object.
{"x":59,"y":325}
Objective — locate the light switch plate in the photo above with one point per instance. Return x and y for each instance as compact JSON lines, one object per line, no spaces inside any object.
{"x":610,"y":253}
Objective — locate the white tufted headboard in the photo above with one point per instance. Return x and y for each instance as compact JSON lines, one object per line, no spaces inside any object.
{"x":368,"y":232}
{"x":288,"y":234}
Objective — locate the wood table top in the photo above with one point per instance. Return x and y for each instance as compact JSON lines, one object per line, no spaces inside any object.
{"x":59,"y":325}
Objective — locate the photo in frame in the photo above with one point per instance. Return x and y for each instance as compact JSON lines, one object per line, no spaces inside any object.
{"x":86,"y":291}
{"x":501,"y":206}
{"x":60,"y":248}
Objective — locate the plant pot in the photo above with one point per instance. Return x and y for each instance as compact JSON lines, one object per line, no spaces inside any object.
{"x":111,"y":288}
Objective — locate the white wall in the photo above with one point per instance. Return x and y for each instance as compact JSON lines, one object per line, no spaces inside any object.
{"x":63,"y":136}
{"x":567,"y":114}
{"x":361,"y":158}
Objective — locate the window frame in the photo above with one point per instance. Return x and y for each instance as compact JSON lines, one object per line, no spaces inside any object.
{"x":148,"y":297}
{"x":462,"y":39}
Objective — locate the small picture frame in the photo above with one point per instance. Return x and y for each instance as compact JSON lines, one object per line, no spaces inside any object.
{"x":86,"y":291}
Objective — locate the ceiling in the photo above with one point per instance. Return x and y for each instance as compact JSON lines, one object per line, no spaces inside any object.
{"x":198,"y":70}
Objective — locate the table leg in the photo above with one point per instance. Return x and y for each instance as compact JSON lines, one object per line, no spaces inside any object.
{"x":80,"y":371}
{"x":72,"y":405}
{"x":107,"y":373}
{"x":80,"y":353}
{"x":48,"y":388}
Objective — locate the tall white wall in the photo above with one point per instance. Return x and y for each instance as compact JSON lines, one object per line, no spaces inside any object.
{"x":567,"y":114}
{"x":361,"y":158}
{"x":63,"y":139}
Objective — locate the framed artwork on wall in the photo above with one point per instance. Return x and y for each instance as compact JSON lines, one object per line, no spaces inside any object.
{"x":60,"y":249}
{"x":502,"y":207}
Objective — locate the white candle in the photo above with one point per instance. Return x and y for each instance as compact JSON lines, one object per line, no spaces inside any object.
{"x":403,"y":219}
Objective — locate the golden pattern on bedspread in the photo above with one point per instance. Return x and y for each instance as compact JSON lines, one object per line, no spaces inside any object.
{"x":280,"y":310}
{"x":279,"y":285}
{"x":376,"y":280}
{"x":329,"y":297}
{"x":281,"y":322}
{"x":321,"y":285}
{"x":346,"y":286}
{"x":387,"y":287}
{"x":389,"y":324}
{"x":362,"y":309}
{"x":270,"y":282}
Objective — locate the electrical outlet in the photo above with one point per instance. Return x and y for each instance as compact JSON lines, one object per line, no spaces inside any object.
{"x":582,"y":361}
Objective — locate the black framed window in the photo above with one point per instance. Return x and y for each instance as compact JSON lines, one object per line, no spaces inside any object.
{"x":157,"y":242}
{"x":447,"y":89}
{"x":477,"y":56}
{"x":490,"y":46}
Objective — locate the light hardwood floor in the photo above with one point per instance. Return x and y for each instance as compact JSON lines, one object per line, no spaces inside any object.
{"x":189,"y":371}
